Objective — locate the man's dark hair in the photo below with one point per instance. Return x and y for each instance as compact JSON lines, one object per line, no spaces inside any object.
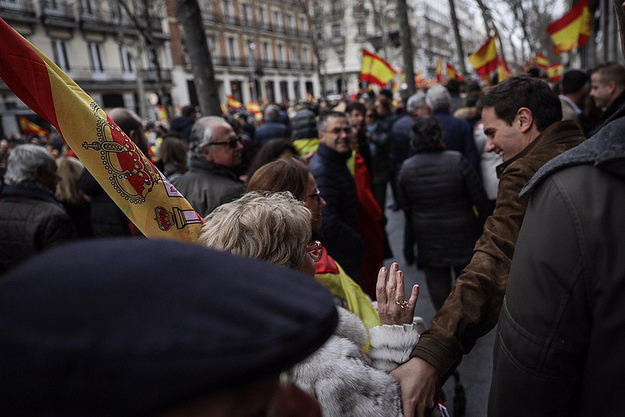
{"x":426,"y":135}
{"x":523,"y":91}
{"x":453,"y":86}
{"x":573,"y":81}
{"x":323,"y":118}
{"x":356,"y":105}
{"x":188,"y":110}
{"x":611,"y":71}
{"x":386,"y":93}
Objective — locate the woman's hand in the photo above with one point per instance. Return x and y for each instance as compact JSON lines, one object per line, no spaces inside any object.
{"x":392,"y":306}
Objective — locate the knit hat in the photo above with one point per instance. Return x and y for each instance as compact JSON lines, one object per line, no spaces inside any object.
{"x":133,"y":327}
{"x":304,"y":125}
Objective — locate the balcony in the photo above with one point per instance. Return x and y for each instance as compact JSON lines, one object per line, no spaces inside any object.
{"x":232,"y":20}
{"x":111,"y":79}
{"x":291,"y":31}
{"x":277,"y":27}
{"x":22,"y":11}
{"x":304,"y":34}
{"x":211,"y":17}
{"x":226,"y":61}
{"x":335,"y":12}
{"x":360,"y":11}
{"x":57,"y":13}
{"x":266,"y":26}
{"x":97,"y":19}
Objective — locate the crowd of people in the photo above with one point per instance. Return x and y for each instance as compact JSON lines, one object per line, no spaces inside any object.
{"x":511,"y":212}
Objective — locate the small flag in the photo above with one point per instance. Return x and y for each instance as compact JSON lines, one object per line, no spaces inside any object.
{"x":439,"y":71}
{"x":252,"y":107}
{"x":162,"y":115}
{"x":485,"y":60}
{"x":554,"y":72}
{"x":309,"y":96}
{"x":128,"y":176}
{"x":233,"y":103}
{"x":375,"y":70}
{"x":572,"y":30}
{"x":540,"y":60}
{"x":419,"y":80}
{"x":31,"y":128}
{"x":452,"y":73}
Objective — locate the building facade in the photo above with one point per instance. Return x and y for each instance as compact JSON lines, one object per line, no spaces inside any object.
{"x":97,"y":43}
{"x":345,"y":27}
{"x":261,"y":51}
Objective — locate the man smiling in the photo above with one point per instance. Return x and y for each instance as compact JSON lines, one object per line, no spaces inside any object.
{"x":340,"y":227}
{"x":521,"y":119}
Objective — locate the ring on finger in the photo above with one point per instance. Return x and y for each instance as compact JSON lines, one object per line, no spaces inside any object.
{"x":402,"y":304}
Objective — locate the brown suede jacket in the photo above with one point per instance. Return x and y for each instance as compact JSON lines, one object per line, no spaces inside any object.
{"x":472,"y":308}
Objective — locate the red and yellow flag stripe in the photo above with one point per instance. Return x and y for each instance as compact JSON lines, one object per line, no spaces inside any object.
{"x":485,"y":60}
{"x":233,"y":103}
{"x":31,"y":128}
{"x":375,"y":70}
{"x":123,"y":171}
{"x":572,"y":30}
{"x":540,"y":60}
{"x":555,"y":71}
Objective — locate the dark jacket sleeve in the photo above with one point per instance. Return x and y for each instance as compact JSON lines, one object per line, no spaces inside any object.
{"x":56,"y":230}
{"x":470,"y":150}
{"x":543,"y":331}
{"x":333,"y":227}
{"x":467,"y":313}
{"x":475,"y":189}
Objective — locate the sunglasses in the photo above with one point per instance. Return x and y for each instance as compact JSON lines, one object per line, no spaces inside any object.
{"x":233,"y":142}
{"x":314,"y":250}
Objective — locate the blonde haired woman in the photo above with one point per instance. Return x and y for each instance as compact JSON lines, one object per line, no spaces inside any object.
{"x":344,"y":379}
{"x":75,"y":202}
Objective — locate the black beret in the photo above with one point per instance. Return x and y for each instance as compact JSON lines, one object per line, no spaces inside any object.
{"x":130,"y":327}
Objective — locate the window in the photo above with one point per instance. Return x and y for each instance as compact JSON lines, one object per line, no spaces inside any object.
{"x":87,"y":6}
{"x":94,"y":57}
{"x":232,"y":50}
{"x":336,"y":30}
{"x":211,"y":43}
{"x":246,"y":14}
{"x":294,"y":55}
{"x":261,"y":15}
{"x":61,"y":57}
{"x":281,"y":52}
{"x":362,"y":30}
{"x":226,"y":7}
{"x":305,"y":55}
{"x":289,"y":21}
{"x":266,"y":54}
{"x":276,"y":17}
{"x":302,"y":23}
{"x":125,"y":59}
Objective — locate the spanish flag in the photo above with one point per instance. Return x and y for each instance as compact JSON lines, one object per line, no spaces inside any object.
{"x":503,"y":72}
{"x":572,"y":30}
{"x":419,"y":80}
{"x":252,"y":107}
{"x":452,"y":73}
{"x":375,"y":70}
{"x":554,"y":72}
{"x":540,"y":60}
{"x":485,"y":60}
{"x":233,"y":103}
{"x":123,"y":171}
{"x":439,"y":70}
{"x":31,"y":128}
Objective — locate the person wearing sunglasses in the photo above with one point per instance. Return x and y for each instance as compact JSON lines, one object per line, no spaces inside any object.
{"x":276,"y":228}
{"x":215,"y":153}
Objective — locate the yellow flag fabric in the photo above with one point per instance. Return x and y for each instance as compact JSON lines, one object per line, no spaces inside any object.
{"x":485,"y":59}
{"x":572,"y":30}
{"x":375,"y":70}
{"x":124,"y":172}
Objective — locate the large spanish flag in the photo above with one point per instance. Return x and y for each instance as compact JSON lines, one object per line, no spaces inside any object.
{"x":572,"y":30}
{"x":375,"y":70}
{"x":124,"y":172}
{"x":485,"y":59}
{"x":233,"y":103}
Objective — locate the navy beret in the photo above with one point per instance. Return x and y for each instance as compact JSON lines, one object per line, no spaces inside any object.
{"x":131,"y":327}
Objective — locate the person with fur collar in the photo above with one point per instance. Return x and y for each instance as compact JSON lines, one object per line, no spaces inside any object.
{"x":340,"y":375}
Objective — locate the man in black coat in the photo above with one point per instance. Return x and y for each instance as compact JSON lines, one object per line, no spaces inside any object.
{"x":216,"y":153}
{"x":340,"y":228}
{"x":559,"y":347}
{"x":273,"y":128}
{"x":31,"y":218}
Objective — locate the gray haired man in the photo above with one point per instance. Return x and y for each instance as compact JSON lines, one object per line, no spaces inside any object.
{"x":31,"y":218}
{"x":212,"y":179}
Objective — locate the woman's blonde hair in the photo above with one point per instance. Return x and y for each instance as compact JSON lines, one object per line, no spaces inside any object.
{"x":272,"y":227}
{"x":67,"y":190}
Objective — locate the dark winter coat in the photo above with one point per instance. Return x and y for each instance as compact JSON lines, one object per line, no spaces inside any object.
{"x":31,"y":220}
{"x":614,"y":109}
{"x":107,"y":219}
{"x":340,"y":228}
{"x":458,"y":136}
{"x":400,"y":140}
{"x":271,"y":130}
{"x":208,"y":185}
{"x":379,"y":149}
{"x":439,"y":190}
{"x":473,"y":307}
{"x":560,"y":341}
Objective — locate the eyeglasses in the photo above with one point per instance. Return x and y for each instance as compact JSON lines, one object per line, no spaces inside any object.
{"x":316,"y":195}
{"x":314,"y":250}
{"x":338,"y":131}
{"x":233,"y":142}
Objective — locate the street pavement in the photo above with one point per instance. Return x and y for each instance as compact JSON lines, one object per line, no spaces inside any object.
{"x":476,"y":367}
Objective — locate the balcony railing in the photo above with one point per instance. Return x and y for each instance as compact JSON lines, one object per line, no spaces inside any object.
{"x":57,"y":12}
{"x":232,"y":20}
{"x":227,"y":61}
{"x":17,"y":10}
{"x":115,"y":75}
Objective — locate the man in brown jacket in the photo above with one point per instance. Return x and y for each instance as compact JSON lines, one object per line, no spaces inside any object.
{"x":521,"y":119}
